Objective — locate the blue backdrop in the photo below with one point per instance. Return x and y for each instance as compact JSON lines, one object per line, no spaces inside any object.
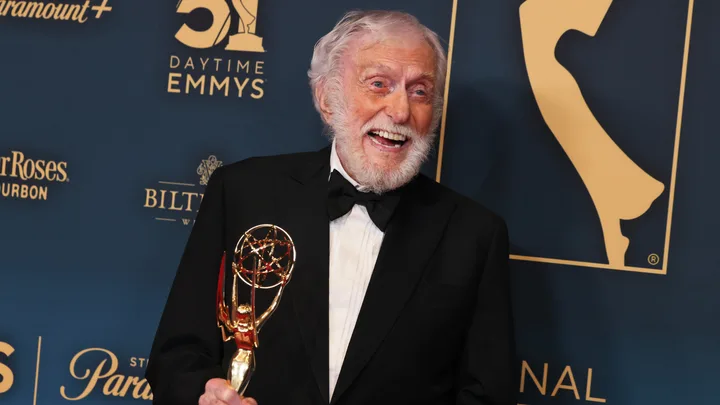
{"x":110,"y":122}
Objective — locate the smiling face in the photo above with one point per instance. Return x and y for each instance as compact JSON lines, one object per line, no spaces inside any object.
{"x":383,"y":126}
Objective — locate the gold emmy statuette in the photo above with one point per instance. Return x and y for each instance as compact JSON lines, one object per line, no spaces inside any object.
{"x":264,"y":258}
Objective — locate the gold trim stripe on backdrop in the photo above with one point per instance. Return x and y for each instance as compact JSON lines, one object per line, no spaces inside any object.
{"x":673,"y":176}
{"x":172,"y":183}
{"x":681,"y":104}
{"x":443,"y":122}
{"x":37,"y":370}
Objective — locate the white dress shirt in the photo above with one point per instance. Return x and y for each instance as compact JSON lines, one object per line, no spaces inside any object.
{"x":354,"y":245}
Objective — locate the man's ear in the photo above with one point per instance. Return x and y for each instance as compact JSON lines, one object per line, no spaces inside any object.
{"x":321,"y":97}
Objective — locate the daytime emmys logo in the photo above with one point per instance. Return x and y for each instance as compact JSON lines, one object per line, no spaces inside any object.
{"x":240,"y":77}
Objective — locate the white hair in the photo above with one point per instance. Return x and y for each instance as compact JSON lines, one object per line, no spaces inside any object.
{"x":329,"y":50}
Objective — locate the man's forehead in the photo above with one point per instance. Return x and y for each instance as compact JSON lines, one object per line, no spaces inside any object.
{"x":393,"y":66}
{"x":405,"y":41}
{"x":388,"y":53}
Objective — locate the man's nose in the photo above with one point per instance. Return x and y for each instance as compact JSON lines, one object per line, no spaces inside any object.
{"x":398,"y":107}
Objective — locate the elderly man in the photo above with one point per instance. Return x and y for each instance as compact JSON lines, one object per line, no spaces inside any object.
{"x":400,"y":294}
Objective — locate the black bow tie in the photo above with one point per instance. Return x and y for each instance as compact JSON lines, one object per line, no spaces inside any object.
{"x":342,"y":196}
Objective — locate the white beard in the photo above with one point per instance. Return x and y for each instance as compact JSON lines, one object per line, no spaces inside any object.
{"x":373,"y":177}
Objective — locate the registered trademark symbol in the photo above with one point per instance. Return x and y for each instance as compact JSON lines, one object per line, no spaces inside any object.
{"x":654,"y":259}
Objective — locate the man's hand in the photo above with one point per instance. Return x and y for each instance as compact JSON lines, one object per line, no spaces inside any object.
{"x":219,"y":392}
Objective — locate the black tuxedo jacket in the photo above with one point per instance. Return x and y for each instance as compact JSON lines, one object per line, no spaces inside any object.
{"x":435,"y":326}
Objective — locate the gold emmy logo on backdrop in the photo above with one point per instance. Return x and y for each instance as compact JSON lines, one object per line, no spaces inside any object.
{"x":264,"y":258}
{"x":210,"y":75}
{"x":619,"y":188}
{"x":244,"y":40}
{"x":179,"y":197}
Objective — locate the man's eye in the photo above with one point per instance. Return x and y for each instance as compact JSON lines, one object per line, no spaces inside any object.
{"x":420,"y":92}
{"x":377,"y":84}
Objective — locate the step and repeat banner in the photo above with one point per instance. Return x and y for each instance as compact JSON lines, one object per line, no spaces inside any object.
{"x":586,"y":123}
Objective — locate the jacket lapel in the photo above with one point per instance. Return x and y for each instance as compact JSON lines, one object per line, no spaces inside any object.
{"x":309,"y":225}
{"x":410,"y":239}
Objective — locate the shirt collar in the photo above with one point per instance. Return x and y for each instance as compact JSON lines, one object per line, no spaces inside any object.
{"x":335,"y":164}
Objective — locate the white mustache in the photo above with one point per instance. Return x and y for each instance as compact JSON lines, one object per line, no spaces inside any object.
{"x":381,"y":124}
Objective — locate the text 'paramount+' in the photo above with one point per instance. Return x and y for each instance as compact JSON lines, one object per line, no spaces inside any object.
{"x":63,"y":11}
